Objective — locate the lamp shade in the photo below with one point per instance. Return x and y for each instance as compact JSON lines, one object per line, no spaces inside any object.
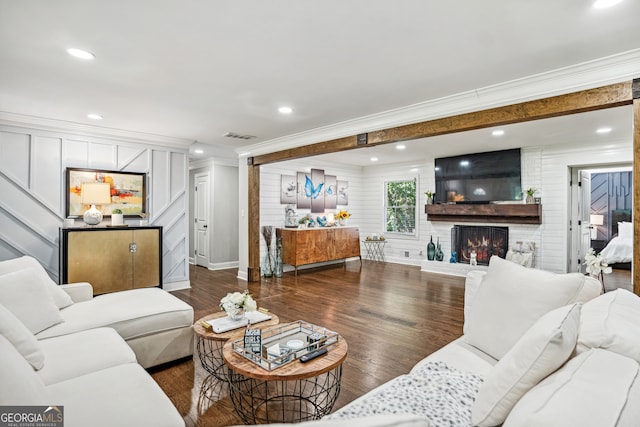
{"x":96,"y":193}
{"x":596,"y":219}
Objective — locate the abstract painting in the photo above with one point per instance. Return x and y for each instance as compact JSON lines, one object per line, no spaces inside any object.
{"x":330,"y":192}
{"x":288,"y":188}
{"x":127,"y":191}
{"x":314,"y":189}
{"x":343,"y":192}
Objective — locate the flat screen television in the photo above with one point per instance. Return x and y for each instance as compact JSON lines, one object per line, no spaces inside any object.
{"x":479,"y":178}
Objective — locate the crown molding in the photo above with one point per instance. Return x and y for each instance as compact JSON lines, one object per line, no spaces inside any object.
{"x":587,"y":75}
{"x":212,"y":161}
{"x":72,"y":128}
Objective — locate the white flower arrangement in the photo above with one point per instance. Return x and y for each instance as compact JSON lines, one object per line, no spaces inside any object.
{"x":238,"y":300}
{"x":595,"y":263}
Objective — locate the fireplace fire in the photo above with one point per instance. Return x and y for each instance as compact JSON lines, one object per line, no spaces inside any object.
{"x":485,"y":241}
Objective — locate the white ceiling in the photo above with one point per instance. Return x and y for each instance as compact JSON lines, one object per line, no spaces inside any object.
{"x":197,"y":69}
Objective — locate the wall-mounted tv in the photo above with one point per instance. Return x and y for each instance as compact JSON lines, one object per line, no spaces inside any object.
{"x":479,"y":178}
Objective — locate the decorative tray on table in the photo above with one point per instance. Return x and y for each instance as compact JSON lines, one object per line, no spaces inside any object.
{"x":286,"y":343}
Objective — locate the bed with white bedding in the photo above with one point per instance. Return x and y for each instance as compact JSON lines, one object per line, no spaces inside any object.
{"x":620,"y":248}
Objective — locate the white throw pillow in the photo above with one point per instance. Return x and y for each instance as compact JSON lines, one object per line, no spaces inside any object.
{"x":511,"y":298}
{"x":471,"y":285}
{"x":24,"y":294}
{"x":61,"y":298}
{"x":590,"y":390}
{"x":21,"y":338}
{"x":625,"y":230}
{"x":540,"y":351}
{"x":611,"y":321}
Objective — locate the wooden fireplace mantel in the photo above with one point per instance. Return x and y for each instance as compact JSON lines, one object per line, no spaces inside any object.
{"x":494,"y":212}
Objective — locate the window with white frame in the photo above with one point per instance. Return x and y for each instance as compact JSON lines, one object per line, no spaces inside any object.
{"x":400,"y":207}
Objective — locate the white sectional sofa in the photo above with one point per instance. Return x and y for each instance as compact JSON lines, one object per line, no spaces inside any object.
{"x":60,"y":346}
{"x":539,"y":349}
{"x":155,"y":324}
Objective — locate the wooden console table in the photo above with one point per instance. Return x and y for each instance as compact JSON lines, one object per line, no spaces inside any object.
{"x":302,"y":246}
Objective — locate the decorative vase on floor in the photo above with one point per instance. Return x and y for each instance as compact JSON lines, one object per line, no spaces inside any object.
{"x":431,"y":250}
{"x":267,"y":262}
{"x":277,"y":269}
{"x":267,"y":265}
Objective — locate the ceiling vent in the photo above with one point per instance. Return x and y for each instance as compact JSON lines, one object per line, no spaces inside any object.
{"x":237,"y":135}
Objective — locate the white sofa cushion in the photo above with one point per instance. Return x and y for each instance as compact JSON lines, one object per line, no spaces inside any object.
{"x":26,"y":297}
{"x":60,"y":297}
{"x":19,"y":385}
{"x":133,"y":313}
{"x":590,"y":390}
{"x":124,"y":395}
{"x":511,"y":298}
{"x":21,"y":338}
{"x":91,"y":351}
{"x":540,"y":351}
{"x":611,"y":322}
{"x":462,"y":356}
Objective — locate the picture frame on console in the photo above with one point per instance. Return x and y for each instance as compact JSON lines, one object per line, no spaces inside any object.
{"x":127,"y":191}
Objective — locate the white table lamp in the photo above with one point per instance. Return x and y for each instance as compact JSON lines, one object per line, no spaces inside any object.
{"x":595,"y":220}
{"x":95,"y":193}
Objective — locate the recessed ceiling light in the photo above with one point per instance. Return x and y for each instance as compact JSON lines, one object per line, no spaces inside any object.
{"x":94,"y":116}
{"x":464,"y":163}
{"x":603,"y":130}
{"x":400,"y":147}
{"x":497,"y":132}
{"x":374,"y":159}
{"x":80,"y":53}
{"x":603,"y":4}
{"x":198,"y":151}
{"x":285,"y":110}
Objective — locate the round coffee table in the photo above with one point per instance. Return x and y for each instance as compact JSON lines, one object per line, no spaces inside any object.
{"x":292,"y":393}
{"x":209,"y":344}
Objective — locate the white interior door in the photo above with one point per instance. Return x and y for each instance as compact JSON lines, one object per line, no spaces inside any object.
{"x":584,"y":213}
{"x":201,"y":219}
{"x":580,"y":227}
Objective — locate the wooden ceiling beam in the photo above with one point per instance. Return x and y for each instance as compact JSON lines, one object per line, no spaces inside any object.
{"x":614,"y":95}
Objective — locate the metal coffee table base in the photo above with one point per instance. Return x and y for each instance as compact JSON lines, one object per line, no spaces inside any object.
{"x":210,"y":352}
{"x":262,"y":401}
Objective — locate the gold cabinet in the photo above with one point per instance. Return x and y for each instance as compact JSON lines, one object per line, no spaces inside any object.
{"x":302,"y":246}
{"x":111,"y":259}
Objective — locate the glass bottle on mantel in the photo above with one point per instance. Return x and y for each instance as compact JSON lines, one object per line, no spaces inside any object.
{"x":277,"y":271}
{"x":431,"y":250}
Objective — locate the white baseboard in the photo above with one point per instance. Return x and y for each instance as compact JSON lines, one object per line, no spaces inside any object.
{"x":175,"y":286}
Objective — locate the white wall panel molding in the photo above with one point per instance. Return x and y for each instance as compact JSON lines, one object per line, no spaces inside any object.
{"x":80,"y":129}
{"x":33,"y":160}
{"x":130,"y":157}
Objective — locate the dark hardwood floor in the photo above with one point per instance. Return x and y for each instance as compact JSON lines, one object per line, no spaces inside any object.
{"x":391,"y":316}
